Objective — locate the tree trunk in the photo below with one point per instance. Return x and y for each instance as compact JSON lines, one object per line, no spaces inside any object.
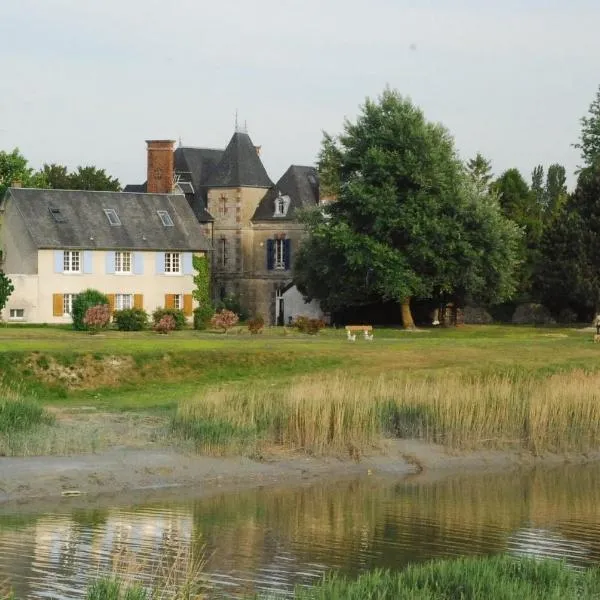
{"x":407,"y":320}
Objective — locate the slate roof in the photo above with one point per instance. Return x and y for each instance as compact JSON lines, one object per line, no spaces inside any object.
{"x":301,"y":184}
{"x":86,"y":225}
{"x":138,"y":188}
{"x":196,"y":164}
{"x":240,"y":166}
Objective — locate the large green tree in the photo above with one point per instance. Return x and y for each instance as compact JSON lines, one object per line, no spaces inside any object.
{"x":479,"y":170}
{"x":15,"y":168}
{"x":400,"y":227}
{"x":569,"y":269}
{"x":92,"y":178}
{"x":589,"y":140}
{"x":556,"y":191}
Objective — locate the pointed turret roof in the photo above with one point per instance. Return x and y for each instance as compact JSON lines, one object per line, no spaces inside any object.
{"x":240,"y":166}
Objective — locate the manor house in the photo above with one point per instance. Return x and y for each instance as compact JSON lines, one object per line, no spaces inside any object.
{"x":250,"y":221}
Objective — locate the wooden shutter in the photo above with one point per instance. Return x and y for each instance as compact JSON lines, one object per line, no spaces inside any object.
{"x":138,"y":301}
{"x":111,"y":302}
{"x":287,"y":254}
{"x":187,"y":305}
{"x":169,"y":300}
{"x":57,"y":305}
{"x":270,"y":254}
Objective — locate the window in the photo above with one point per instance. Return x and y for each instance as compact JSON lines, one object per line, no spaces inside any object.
{"x":223,"y":251}
{"x":112,"y":216}
{"x":123,"y":301}
{"x":72,"y":261}
{"x":223,"y":205}
{"x":165,"y":218}
{"x":68,"y":303}
{"x":122,"y":262}
{"x":56,"y":214}
{"x":280,"y":254}
{"x":17,"y":313}
{"x":281,"y":205}
{"x":172,"y":262}
{"x":177,"y":301}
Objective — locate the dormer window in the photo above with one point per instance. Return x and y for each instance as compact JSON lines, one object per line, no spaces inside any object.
{"x":281,"y":205}
{"x":165,"y":218}
{"x":112,"y":216}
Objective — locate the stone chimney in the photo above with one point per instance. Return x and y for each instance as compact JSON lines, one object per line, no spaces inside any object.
{"x":160,"y":166}
{"x":16,"y":183}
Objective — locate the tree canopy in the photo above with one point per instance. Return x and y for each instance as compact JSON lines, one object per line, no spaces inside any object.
{"x":589,"y":140}
{"x":14,"y":167}
{"x":406,"y":221}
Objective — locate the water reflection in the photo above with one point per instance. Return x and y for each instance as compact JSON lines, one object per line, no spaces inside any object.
{"x":271,"y":539}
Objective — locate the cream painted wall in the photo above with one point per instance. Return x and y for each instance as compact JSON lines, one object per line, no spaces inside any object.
{"x":34,"y":292}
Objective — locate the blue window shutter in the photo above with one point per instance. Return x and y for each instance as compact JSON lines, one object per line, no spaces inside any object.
{"x":87,"y":261}
{"x":138,"y":263}
{"x":270,"y":254}
{"x":110,"y":262}
{"x":160,"y":263}
{"x":59,"y":261}
{"x":188,"y":268}
{"x":287,"y":254}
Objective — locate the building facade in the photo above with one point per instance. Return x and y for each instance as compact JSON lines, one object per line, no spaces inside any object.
{"x":135,"y":248}
{"x":251,"y":222}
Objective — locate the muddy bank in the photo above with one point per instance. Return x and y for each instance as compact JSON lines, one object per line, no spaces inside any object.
{"x":123,"y":471}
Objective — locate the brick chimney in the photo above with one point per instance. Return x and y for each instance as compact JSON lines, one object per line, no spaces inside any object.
{"x":160,"y":166}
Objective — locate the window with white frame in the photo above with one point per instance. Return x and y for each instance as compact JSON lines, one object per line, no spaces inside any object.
{"x":279,"y":254}
{"x":172,"y":262}
{"x":72,"y":261}
{"x":165,"y":218}
{"x":123,"y":301}
{"x":68,"y":303}
{"x":122,"y":262}
{"x":178,"y":301}
{"x":16,"y":313}
{"x":112,"y":216}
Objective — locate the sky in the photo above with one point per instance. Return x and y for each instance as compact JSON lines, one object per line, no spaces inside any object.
{"x":88,"y":81}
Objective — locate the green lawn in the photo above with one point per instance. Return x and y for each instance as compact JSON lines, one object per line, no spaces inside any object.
{"x":166,"y":369}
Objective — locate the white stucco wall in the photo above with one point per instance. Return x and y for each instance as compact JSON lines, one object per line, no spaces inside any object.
{"x":34,"y":293}
{"x":294,"y":306}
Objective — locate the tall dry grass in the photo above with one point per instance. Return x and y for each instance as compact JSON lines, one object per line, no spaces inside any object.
{"x":342,"y":413}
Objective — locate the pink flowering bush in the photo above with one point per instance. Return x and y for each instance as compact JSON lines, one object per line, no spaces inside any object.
{"x":224,"y":319}
{"x":97,"y":318}
{"x":165,"y":324}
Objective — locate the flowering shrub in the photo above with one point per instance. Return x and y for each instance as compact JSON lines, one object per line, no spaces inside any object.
{"x":97,"y":318}
{"x":176,"y":313}
{"x":256,"y":325}
{"x":82,"y":302}
{"x":308,"y":325}
{"x":224,"y":320}
{"x":166,"y":324}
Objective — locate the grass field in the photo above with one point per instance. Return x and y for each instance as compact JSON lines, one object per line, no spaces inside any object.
{"x":462,"y":387}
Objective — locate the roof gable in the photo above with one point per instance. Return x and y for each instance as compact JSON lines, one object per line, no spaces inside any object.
{"x":83,"y":222}
{"x":300,"y":184}
{"x":240,"y":165}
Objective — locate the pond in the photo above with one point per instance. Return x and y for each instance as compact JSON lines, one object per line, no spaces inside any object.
{"x":268,"y":540}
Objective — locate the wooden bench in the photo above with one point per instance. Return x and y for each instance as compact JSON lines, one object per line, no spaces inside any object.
{"x":352,"y":330}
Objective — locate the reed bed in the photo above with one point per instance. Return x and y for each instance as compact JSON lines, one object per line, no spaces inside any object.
{"x":500,"y":578}
{"x":338,"y":413}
